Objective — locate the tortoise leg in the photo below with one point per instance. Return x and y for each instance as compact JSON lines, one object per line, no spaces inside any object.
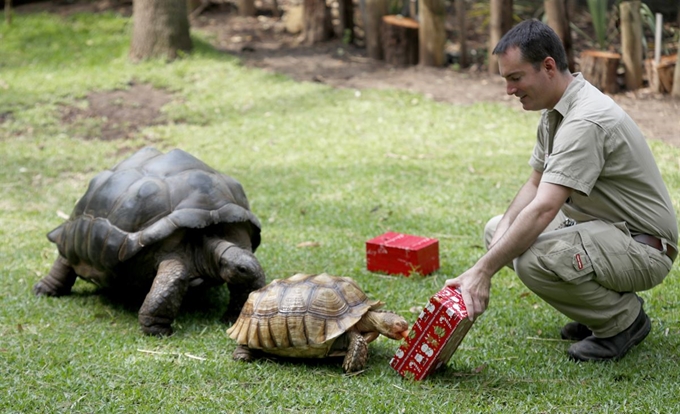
{"x":357,"y":352}
{"x":58,"y":281}
{"x":162,"y":303}
{"x":242,"y":353}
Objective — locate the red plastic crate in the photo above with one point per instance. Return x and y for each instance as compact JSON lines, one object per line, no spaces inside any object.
{"x":434,"y":337}
{"x":402,"y":254}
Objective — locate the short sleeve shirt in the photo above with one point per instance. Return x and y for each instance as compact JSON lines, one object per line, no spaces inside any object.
{"x":589,"y":144}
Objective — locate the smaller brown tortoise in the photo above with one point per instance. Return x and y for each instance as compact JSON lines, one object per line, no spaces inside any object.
{"x":313,"y":316}
{"x":156,"y":225}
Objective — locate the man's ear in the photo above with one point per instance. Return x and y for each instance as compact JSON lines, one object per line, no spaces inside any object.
{"x":549,"y":65}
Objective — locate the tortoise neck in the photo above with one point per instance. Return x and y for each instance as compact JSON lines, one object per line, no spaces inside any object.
{"x":213,"y":250}
{"x":387,"y":323}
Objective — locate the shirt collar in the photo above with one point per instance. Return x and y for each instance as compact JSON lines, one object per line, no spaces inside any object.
{"x":569,"y":94}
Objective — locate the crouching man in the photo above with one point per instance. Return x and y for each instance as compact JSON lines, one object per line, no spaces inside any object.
{"x":594,"y":222}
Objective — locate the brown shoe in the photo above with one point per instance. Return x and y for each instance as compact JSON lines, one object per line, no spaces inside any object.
{"x":615,"y":347}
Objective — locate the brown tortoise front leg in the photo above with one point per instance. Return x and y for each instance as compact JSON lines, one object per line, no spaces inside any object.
{"x":162,"y":303}
{"x":357,"y":352}
{"x":58,"y":281}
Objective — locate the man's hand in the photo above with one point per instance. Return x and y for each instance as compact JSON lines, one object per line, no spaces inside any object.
{"x":475,"y":288}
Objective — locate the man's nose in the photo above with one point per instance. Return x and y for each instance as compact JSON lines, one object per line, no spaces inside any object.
{"x":510,"y":90}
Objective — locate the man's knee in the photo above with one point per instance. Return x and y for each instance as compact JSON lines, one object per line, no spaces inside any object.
{"x":490,"y":230}
{"x":527,"y":268}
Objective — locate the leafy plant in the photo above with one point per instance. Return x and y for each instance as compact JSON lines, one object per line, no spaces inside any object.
{"x":598,"y":13}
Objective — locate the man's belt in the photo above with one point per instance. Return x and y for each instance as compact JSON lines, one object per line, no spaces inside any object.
{"x":671,"y":251}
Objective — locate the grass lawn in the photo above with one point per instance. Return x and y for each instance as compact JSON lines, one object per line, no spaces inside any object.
{"x":334,"y":167}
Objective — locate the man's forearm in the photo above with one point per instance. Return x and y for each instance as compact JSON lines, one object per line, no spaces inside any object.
{"x":520,"y":235}
{"x":524,"y":196}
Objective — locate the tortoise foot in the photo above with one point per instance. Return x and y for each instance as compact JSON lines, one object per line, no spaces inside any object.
{"x":44,"y":288}
{"x":157,"y":330}
{"x":155,"y":326}
{"x":242,"y":353}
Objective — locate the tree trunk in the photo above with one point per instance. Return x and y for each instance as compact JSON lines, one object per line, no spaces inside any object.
{"x":500,"y":23}
{"x":631,"y":43}
{"x":246,"y":8}
{"x":317,"y":24}
{"x":558,"y":20}
{"x":432,"y":33}
{"x":160,"y":29}
{"x":461,"y":6}
{"x":373,"y":12}
{"x":193,"y":5}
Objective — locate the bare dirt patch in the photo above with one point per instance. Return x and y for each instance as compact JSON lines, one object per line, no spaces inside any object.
{"x":119,"y":113}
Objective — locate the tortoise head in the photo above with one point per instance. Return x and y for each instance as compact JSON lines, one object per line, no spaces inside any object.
{"x":387,"y":323}
{"x":236,"y":265}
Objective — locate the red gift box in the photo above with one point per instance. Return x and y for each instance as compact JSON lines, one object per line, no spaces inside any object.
{"x":434,"y":337}
{"x":402,"y":254}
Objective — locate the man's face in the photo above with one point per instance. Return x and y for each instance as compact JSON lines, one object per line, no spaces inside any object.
{"x":531,"y":86}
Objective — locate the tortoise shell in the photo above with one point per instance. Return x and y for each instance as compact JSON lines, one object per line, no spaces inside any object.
{"x":145,"y":199}
{"x":302,"y":315}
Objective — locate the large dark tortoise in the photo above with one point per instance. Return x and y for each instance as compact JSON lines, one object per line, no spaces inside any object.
{"x":159,"y":223}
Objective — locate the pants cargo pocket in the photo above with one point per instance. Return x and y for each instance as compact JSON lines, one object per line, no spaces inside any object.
{"x":563,"y":253}
{"x":620,"y":263}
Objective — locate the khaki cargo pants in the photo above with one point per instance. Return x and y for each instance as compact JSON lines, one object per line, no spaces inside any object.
{"x":589,"y":272}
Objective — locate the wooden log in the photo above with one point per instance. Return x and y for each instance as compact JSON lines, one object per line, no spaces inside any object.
{"x":400,"y":40}
{"x":599,"y":68}
{"x":660,"y":76}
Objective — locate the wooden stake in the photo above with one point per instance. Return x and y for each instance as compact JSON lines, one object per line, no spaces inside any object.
{"x":657,"y":38}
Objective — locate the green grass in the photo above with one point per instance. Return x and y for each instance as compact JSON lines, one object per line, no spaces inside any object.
{"x":336,"y":167}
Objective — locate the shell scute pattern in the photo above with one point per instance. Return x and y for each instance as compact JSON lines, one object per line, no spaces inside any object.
{"x":303,"y":312}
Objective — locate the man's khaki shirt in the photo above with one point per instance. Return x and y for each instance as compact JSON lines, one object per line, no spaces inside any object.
{"x":588,"y":143}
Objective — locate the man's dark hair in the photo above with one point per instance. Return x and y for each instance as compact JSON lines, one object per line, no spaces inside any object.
{"x":536,"y":41}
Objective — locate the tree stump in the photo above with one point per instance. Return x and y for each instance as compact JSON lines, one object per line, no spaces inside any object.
{"x":400,"y":40}
{"x":660,"y":76}
{"x":599,"y":68}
